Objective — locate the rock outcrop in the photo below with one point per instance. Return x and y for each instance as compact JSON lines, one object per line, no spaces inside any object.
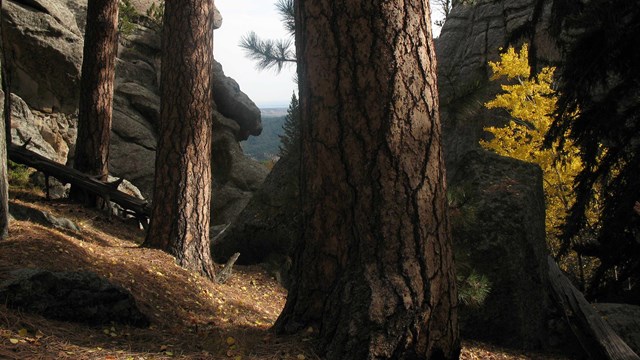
{"x":497,"y":214}
{"x":44,"y":44}
{"x":269,"y":224}
{"x":472,"y":36}
{"x":71,"y":296}
{"x":234,"y":104}
{"x":27,"y":213}
{"x":45,"y":47}
{"x":48,"y":134}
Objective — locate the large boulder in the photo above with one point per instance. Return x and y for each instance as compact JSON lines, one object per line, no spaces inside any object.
{"x":44,"y":45}
{"x":71,"y":296}
{"x":234,"y":104}
{"x":499,"y":230}
{"x":27,"y":213}
{"x":235,"y":176}
{"x":47,"y":134}
{"x":498,"y":215}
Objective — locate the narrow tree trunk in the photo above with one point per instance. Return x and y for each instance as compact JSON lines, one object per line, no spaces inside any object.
{"x":96,"y":93}
{"x":5,"y":133}
{"x":4,"y":183}
{"x":182,"y":192}
{"x":373,"y":271}
{"x":6,"y":78}
{"x":4,"y":176}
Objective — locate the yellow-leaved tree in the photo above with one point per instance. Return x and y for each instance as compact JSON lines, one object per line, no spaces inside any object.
{"x":531,"y":102}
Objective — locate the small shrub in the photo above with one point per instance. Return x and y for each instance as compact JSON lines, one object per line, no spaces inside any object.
{"x":473,"y":289}
{"x":127,"y":17}
{"x":19,"y":175}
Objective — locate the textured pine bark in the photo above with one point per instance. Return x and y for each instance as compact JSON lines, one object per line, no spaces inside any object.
{"x":182,"y":191}
{"x":4,"y":186}
{"x":5,"y":133}
{"x":374,"y":270}
{"x":96,"y":93}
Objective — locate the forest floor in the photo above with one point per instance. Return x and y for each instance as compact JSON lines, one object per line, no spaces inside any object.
{"x":191,"y":317}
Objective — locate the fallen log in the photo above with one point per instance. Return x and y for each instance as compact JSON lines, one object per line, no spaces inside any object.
{"x":108,"y":191}
{"x":595,"y":335}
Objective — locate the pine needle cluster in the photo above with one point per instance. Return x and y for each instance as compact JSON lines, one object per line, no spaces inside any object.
{"x":273,"y":53}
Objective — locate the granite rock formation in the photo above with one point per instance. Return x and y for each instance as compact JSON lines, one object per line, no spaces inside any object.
{"x":45,"y":40}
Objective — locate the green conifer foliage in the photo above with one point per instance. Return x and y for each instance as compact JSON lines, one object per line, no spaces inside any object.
{"x":290,"y":140}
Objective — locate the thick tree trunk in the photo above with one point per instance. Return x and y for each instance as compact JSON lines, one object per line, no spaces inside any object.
{"x":182,"y":193}
{"x":96,"y":93}
{"x":374,"y":270}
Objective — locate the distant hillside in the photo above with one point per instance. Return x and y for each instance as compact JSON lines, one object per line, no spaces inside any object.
{"x":266,"y":146}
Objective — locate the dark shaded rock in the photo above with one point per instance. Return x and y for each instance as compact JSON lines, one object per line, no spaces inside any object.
{"x":26,"y":213}
{"x":235,"y":104}
{"x":625,"y":321}
{"x":473,"y":35}
{"x":498,"y":221}
{"x":71,"y":296}
{"x":235,"y":176}
{"x":269,"y":225}
{"x":499,"y":228}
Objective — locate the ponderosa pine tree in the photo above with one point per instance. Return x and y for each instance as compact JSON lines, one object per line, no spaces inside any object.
{"x":182,"y":191}
{"x":96,"y":93}
{"x":373,"y":272}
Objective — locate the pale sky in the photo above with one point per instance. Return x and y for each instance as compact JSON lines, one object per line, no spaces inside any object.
{"x":265,"y":88}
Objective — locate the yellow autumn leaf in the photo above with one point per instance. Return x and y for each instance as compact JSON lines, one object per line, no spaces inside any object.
{"x":231,"y":341}
{"x":14,"y":341}
{"x":23,"y":332}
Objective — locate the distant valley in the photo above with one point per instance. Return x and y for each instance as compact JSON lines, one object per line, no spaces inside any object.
{"x":266,"y":146}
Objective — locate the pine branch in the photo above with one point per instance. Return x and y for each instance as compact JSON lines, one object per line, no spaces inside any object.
{"x":287,"y":11}
{"x":268,"y":53}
